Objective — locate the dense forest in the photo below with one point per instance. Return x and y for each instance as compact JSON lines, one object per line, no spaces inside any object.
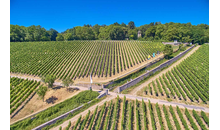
{"x":155,"y":31}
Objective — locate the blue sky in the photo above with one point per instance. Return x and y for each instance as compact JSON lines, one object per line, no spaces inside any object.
{"x":63,"y":14}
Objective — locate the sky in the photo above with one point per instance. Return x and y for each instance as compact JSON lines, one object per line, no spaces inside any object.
{"x":64,"y":14}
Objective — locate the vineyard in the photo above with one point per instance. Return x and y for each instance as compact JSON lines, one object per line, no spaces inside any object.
{"x":79,"y":59}
{"x":123,"y":114}
{"x":188,"y":81}
{"x":20,"y":90}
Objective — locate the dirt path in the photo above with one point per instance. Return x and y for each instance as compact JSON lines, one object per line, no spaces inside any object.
{"x":134,"y":92}
{"x":92,"y":108}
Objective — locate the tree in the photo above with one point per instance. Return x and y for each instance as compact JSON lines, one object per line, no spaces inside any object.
{"x":131,"y":37}
{"x":157,"y":23}
{"x":159,"y":30}
{"x":41,"y":91}
{"x":67,"y":82}
{"x":181,"y":48}
{"x":30,"y":33}
{"x":53,"y":34}
{"x":151,"y":24}
{"x":96,"y":30}
{"x":123,"y":24}
{"x":17,"y":33}
{"x":88,"y":25}
{"x":172,"y":33}
{"x":85,"y":33}
{"x":116,"y":24}
{"x":68,"y":37}
{"x":38,"y":32}
{"x":49,"y":79}
{"x":45,"y":36}
{"x":150,"y":32}
{"x":116,"y":33}
{"x":59,"y":37}
{"x":132,"y":34}
{"x":104,"y":34}
{"x":131,"y":25}
{"x":143,"y":29}
{"x":168,"y":50}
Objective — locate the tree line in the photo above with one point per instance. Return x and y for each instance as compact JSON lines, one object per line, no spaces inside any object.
{"x":155,"y":31}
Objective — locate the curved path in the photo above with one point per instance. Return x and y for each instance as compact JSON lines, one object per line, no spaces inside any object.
{"x":113,"y":95}
{"x":205,"y":109}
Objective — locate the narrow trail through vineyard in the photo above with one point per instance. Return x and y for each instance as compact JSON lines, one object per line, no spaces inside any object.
{"x":138,"y":88}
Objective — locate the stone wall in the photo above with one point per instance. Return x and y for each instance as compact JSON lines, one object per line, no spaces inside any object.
{"x":103,"y":94}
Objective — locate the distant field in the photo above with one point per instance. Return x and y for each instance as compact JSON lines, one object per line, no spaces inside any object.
{"x":79,"y":59}
{"x":188,"y":81}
